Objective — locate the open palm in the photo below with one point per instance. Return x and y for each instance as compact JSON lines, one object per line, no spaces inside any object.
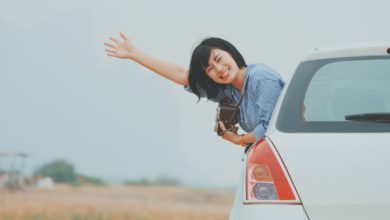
{"x":119,"y":48}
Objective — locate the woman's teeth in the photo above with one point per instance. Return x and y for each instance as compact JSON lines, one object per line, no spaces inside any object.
{"x":224,"y":73}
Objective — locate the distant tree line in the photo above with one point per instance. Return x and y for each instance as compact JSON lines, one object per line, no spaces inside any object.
{"x":62,"y":171}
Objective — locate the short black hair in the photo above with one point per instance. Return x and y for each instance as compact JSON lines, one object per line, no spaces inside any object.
{"x":198,"y":79}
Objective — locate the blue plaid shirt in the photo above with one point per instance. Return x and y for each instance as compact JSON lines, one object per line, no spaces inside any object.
{"x":262,"y":92}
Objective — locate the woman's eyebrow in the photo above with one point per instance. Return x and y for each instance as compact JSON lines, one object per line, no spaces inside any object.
{"x":217,"y":56}
{"x":213,"y":54}
{"x":214,"y":58}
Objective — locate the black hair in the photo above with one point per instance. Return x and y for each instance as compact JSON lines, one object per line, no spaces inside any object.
{"x":198,"y":79}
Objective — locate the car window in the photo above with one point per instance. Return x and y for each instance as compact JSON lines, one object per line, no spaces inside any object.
{"x":323,"y":92}
{"x":348,"y":87}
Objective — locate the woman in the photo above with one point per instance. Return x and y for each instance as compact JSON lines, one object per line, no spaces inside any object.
{"x":217,"y":70}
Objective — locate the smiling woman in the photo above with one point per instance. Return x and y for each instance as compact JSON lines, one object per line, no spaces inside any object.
{"x":217,"y":72}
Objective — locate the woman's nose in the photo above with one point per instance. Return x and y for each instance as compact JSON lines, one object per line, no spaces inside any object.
{"x":218,"y":67}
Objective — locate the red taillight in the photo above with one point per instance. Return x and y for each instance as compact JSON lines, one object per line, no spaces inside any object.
{"x":267,"y":179}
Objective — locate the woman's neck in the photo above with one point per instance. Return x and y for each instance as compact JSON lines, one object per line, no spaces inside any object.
{"x":238,"y":82}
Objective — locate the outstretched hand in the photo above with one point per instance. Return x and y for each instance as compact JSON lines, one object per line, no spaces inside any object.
{"x":122,"y":48}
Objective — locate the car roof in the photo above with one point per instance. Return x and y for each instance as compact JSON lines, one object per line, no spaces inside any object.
{"x":350,"y":50}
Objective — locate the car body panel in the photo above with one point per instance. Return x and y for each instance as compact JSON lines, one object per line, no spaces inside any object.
{"x":337,"y":175}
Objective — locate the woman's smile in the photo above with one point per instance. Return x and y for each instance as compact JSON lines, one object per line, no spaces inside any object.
{"x":224,"y":73}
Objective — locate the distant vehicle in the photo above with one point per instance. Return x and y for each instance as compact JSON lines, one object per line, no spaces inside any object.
{"x":326,"y":153}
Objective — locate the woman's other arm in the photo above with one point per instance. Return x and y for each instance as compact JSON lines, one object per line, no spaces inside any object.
{"x":235,"y":138}
{"x":125,"y":49}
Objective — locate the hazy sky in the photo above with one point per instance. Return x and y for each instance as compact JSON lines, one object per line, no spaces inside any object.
{"x":62,"y":97}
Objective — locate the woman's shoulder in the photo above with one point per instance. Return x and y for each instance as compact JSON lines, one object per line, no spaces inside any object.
{"x":261,"y":71}
{"x":258,"y":74}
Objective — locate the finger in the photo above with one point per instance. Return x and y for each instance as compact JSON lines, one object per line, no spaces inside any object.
{"x":221,"y":125}
{"x":227,"y":135}
{"x":224,"y":134}
{"x":224,"y":137}
{"x":109,"y":45}
{"x":110,"y":51}
{"x":123,"y":35}
{"x":115,"y":40}
{"x":111,"y":54}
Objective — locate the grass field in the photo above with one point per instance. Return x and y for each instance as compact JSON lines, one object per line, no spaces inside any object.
{"x":114,"y":203}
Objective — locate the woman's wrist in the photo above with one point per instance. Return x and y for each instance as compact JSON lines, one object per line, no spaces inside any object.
{"x":240,"y":140}
{"x":133,"y":54}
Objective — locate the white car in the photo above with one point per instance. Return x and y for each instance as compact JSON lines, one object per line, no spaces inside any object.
{"x":326,"y":153}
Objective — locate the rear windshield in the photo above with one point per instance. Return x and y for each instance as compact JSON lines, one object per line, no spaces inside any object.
{"x":322,"y":93}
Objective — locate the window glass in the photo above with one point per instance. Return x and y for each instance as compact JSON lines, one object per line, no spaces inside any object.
{"x":322,"y":92}
{"x":348,"y":87}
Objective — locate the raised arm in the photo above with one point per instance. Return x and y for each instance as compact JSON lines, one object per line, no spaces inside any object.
{"x":125,"y":49}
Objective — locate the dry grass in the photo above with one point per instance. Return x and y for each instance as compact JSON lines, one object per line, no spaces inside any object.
{"x":114,"y":203}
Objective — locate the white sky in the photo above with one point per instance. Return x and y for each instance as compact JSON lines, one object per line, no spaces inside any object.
{"x":61,"y":97}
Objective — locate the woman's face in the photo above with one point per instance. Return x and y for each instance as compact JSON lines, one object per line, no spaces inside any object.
{"x":222,"y":68}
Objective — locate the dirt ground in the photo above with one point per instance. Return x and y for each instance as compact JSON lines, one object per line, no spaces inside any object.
{"x":115,"y":202}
